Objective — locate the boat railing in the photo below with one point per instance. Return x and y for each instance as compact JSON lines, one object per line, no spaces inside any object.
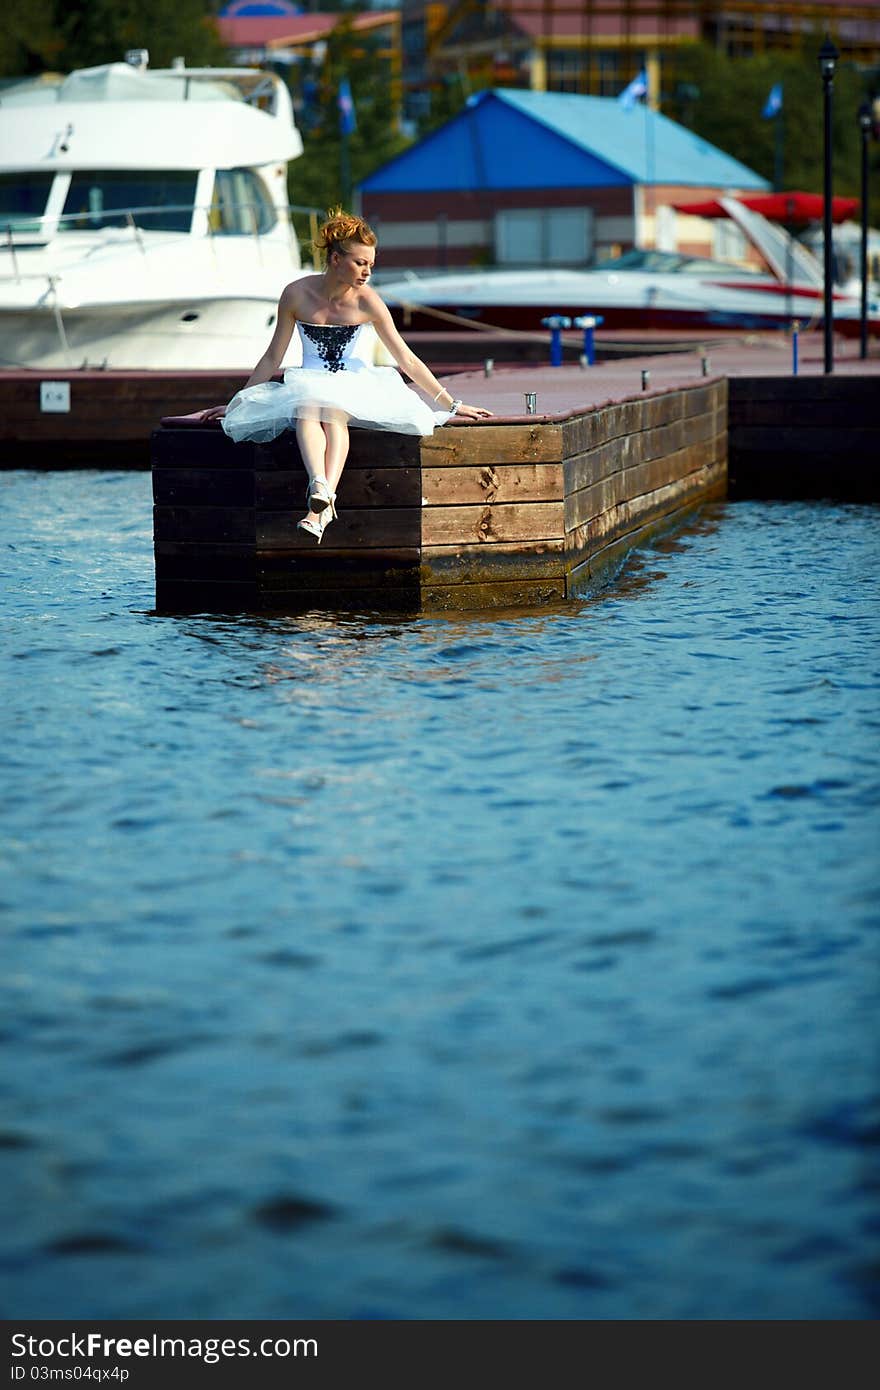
{"x":21,"y":231}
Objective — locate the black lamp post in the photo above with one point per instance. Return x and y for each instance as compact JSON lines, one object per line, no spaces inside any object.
{"x":866,"y":127}
{"x":828,"y":56}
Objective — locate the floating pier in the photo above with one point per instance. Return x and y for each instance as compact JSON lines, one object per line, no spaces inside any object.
{"x":515,"y":511}
{"x":520,"y":509}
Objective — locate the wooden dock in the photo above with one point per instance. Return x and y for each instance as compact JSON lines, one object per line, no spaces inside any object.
{"x":93,"y":418}
{"x":521,"y":510}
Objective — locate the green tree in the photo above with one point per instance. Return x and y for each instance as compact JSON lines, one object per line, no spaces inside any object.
{"x":60,"y":35}
{"x":100,"y":31}
{"x":317,"y":177}
{"x":29,"y":41}
{"x":722,"y":99}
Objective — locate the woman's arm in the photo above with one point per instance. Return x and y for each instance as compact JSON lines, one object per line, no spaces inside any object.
{"x":409,"y":363}
{"x":273,"y":356}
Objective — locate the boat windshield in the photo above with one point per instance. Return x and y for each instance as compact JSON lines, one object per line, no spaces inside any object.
{"x":671,"y":263}
{"x":23,"y":199}
{"x":240,"y":204}
{"x":160,"y":200}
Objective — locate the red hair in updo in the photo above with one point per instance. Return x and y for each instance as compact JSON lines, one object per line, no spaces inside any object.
{"x":341,"y":227}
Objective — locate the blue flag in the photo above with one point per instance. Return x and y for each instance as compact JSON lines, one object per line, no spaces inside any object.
{"x":347,"y":121}
{"x":773,"y":104}
{"x":637,"y":88}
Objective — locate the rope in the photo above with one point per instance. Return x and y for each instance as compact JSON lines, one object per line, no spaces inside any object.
{"x":515,"y":333}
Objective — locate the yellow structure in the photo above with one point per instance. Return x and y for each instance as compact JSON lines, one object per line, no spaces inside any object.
{"x":596,"y":46}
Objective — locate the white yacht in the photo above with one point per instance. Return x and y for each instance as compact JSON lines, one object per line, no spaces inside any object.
{"x":144,"y":217}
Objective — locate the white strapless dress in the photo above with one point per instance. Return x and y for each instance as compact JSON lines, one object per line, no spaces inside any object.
{"x":337,"y":381}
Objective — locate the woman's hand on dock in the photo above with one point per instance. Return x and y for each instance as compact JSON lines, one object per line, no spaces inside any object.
{"x":472,"y":412}
{"x":213,"y":412}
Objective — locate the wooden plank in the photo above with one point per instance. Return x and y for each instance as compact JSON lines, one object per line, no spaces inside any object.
{"x":402,"y":599}
{"x":663,"y":411}
{"x":480,"y":445}
{"x":582,"y":470}
{"x":663,"y":439}
{"x":197,"y":448}
{"x":813,"y":414}
{"x":175,"y":596}
{"x":204,"y":561}
{"x":105,"y":391}
{"x":284,"y":489}
{"x":215,"y":524}
{"x":584,"y":432}
{"x":653,"y":473}
{"x":700,"y":400}
{"x":503,"y":482}
{"x":849,"y":478}
{"x":445,"y":598}
{"x":69,"y":454}
{"x":697,"y":428}
{"x":794,"y":439}
{"x":637,"y":482}
{"x":597,"y":570}
{"x":592,"y":501}
{"x":468,"y":564}
{"x":357,"y":528}
{"x":46,"y":429}
{"x":192,"y":487}
{"x":794,"y":389}
{"x":314,"y":570}
{"x":630,"y":513}
{"x":382,"y":449}
{"x":487,"y":524}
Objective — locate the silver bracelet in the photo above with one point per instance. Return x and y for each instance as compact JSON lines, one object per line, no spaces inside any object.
{"x":455,"y":405}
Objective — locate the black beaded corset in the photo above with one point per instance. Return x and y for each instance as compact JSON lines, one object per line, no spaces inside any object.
{"x":330,"y":341}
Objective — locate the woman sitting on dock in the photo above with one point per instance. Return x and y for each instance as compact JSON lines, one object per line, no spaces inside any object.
{"x":338,"y":317}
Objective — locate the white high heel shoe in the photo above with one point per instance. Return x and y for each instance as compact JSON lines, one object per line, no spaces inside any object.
{"x":316,"y":526}
{"x":318,"y":495}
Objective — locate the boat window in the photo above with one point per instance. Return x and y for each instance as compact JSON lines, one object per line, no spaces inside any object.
{"x":23,"y":199}
{"x":240,"y":204}
{"x":158,"y":200}
{"x":651,"y":262}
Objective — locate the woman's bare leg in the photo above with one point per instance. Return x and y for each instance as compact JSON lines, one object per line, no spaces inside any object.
{"x":336,"y":433}
{"x":313,"y":448}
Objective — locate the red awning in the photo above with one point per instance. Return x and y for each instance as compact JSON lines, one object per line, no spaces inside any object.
{"x":791,"y":209}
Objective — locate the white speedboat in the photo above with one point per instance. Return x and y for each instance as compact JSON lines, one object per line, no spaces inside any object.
{"x":640,"y":289}
{"x":144,"y":217}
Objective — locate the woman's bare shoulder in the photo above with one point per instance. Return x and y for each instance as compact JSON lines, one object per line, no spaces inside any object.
{"x":299,"y":292}
{"x":371,"y":303}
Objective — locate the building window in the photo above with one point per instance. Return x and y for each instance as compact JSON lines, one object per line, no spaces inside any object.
{"x":544,"y":236}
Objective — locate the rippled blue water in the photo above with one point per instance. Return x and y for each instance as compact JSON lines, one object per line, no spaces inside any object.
{"x":521,"y":966}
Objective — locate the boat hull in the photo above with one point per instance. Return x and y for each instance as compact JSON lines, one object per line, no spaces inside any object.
{"x":226,"y":334}
{"x":528,"y":317}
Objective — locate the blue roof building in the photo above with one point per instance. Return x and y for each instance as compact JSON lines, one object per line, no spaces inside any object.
{"x":499,"y":180}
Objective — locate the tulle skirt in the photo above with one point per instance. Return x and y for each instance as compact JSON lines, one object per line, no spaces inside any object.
{"x":373,"y":397}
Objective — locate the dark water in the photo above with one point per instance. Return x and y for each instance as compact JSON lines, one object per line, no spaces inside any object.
{"x":519,"y":967}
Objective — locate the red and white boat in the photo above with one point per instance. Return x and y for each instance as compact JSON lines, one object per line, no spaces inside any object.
{"x":645,"y":289}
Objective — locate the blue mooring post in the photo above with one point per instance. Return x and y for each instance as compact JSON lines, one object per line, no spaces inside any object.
{"x":556,"y":323}
{"x":795,"y":329}
{"x":589,"y":322}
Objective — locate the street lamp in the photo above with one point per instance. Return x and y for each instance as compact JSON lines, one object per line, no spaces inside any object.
{"x":866,"y":126}
{"x":828,"y":56}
